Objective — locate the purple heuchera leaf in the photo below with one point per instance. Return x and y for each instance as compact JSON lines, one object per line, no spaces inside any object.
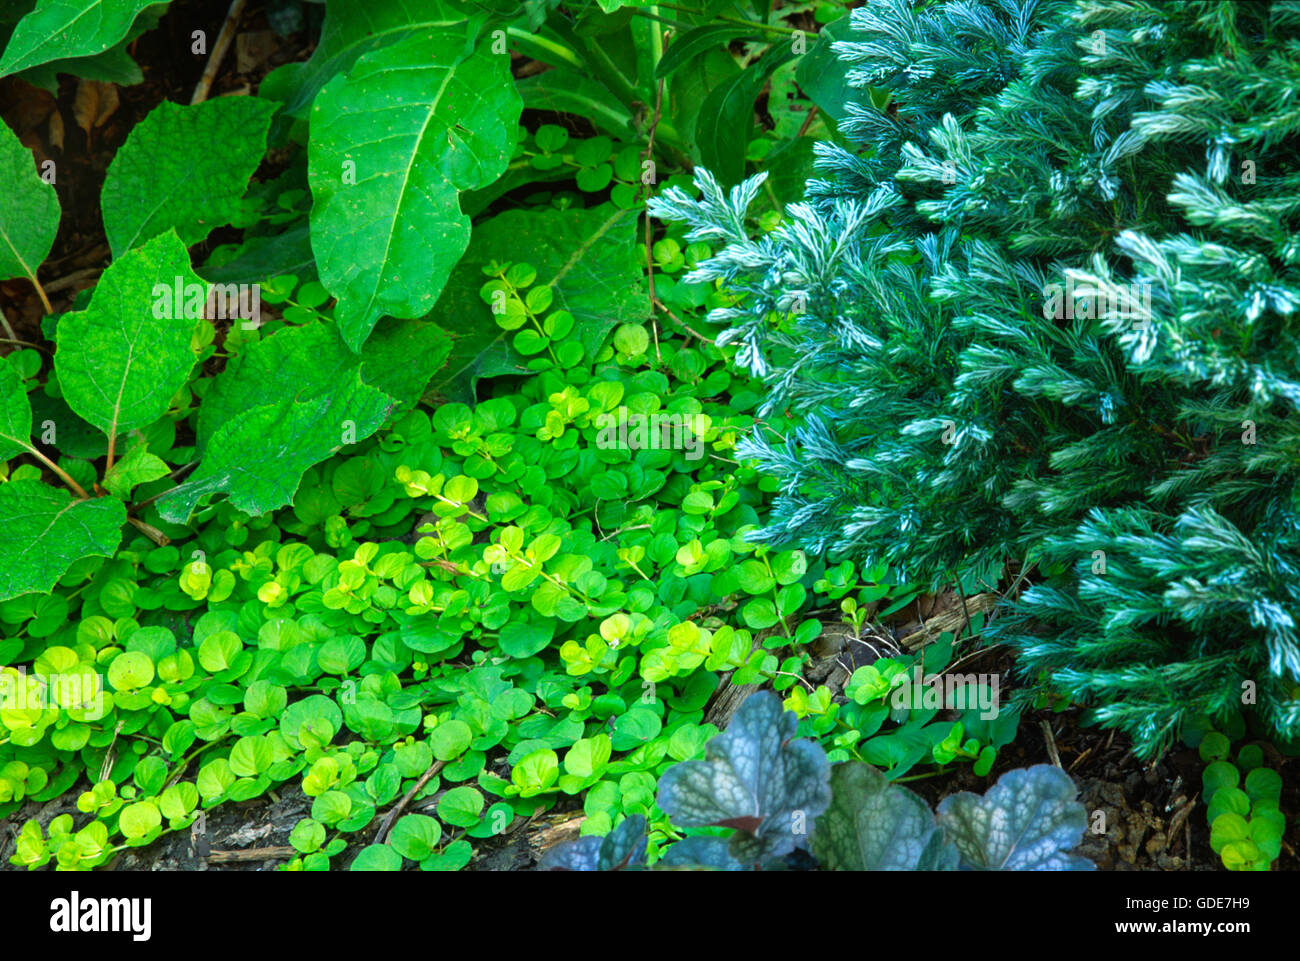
{"x":622,"y":848}
{"x":754,"y":778}
{"x":1028,"y":821}
{"x":580,"y":855}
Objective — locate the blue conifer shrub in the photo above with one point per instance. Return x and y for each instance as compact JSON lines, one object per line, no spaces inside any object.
{"x":1039,"y":309}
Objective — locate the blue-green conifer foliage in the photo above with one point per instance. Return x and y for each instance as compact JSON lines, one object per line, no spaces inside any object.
{"x":1039,"y":312}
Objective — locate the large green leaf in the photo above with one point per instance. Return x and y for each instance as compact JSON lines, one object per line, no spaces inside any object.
{"x":114,"y":65}
{"x":590,"y":257}
{"x":15,"y":414}
{"x":411,"y":126}
{"x":568,"y":91}
{"x":401,"y":357}
{"x":352,"y":29}
{"x":259,"y":457}
{"x":184,"y":168}
{"x":727,"y":118}
{"x":699,"y":40}
{"x":286,"y":403}
{"x":43,"y":531}
{"x":29,"y":210}
{"x":824,"y":76}
{"x":309,"y":361}
{"x":304,"y":362}
{"x":59,"y":29}
{"x":118,"y":364}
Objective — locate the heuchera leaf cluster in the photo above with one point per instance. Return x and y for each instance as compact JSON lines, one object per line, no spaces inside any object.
{"x":779,"y":794}
{"x":1043,"y":314}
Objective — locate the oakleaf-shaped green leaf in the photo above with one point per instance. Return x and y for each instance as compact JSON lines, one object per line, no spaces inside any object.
{"x":58,"y":29}
{"x":754,"y":778}
{"x":15,"y":414}
{"x":284,"y":404}
{"x":402,"y":356}
{"x":118,"y":363}
{"x":392,"y":146}
{"x":306,"y":362}
{"x":137,"y":467}
{"x":29,"y":210}
{"x":1028,"y":821}
{"x":183,"y":167}
{"x":43,"y":531}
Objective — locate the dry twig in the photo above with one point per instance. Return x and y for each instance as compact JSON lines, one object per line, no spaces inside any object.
{"x":1051,"y":744}
{"x":400,"y":806}
{"x":224,"y":38}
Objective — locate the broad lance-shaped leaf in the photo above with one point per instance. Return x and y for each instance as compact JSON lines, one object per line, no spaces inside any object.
{"x":15,"y":414}
{"x":392,"y":146}
{"x":286,"y":403}
{"x":29,"y":210}
{"x":873,"y":825}
{"x":350,"y":30}
{"x":43,"y":531}
{"x":114,"y":65}
{"x":727,"y":116}
{"x":1028,"y":821}
{"x":754,"y":778}
{"x":119,"y":365}
{"x":184,"y":168}
{"x":58,"y":29}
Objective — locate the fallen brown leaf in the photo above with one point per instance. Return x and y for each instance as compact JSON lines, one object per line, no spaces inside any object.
{"x":95,"y":103}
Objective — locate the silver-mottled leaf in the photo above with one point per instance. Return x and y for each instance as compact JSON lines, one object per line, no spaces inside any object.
{"x":754,"y":778}
{"x":1028,"y":821}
